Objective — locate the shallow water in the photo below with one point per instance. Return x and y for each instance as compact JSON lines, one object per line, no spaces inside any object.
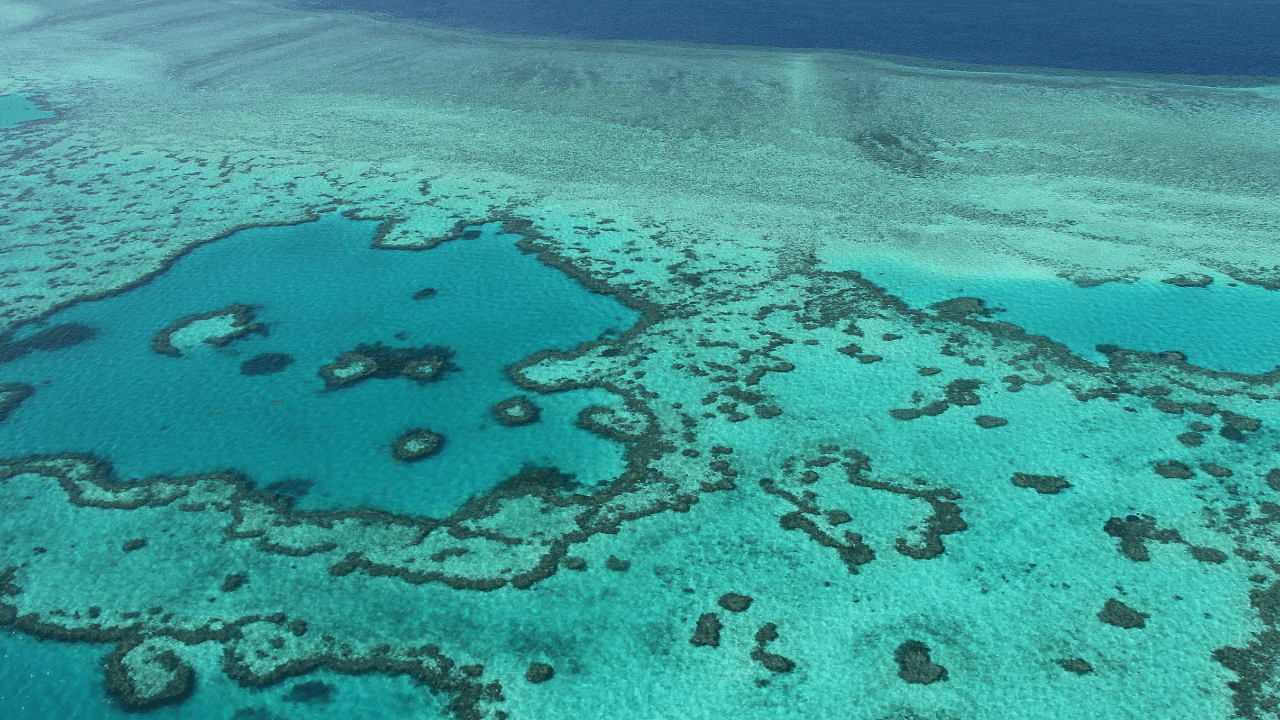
{"x":16,"y":109}
{"x":1225,"y":325}
{"x":776,"y":468}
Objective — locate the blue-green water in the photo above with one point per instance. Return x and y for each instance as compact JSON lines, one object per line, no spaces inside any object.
{"x":43,"y":679}
{"x":15,"y":109}
{"x":831,"y":506}
{"x":321,"y":291}
{"x":1225,"y":326}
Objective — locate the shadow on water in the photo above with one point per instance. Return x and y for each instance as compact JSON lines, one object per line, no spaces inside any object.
{"x":58,"y":337}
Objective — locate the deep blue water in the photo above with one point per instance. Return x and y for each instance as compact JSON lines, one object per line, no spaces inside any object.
{"x":1202,"y":37}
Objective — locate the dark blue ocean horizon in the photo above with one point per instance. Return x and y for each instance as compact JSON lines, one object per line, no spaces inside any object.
{"x":1191,"y":37}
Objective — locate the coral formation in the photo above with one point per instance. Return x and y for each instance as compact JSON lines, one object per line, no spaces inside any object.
{"x":915,"y":666}
{"x":417,"y":444}
{"x":216,"y":327}
{"x":516,"y":411}
{"x":266,"y":364}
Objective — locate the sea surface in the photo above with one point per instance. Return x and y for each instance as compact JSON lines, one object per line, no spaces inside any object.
{"x":1174,"y":37}
{"x":624,"y":360}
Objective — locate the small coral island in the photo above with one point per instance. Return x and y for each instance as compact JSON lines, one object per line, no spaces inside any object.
{"x":217,"y":327}
{"x":516,"y":411}
{"x":417,"y":444}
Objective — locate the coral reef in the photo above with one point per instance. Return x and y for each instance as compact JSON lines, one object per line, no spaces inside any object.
{"x":216,"y":327}
{"x":516,"y":411}
{"x":417,"y":444}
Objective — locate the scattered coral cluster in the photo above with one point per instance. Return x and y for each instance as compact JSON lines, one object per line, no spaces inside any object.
{"x":843,"y":430}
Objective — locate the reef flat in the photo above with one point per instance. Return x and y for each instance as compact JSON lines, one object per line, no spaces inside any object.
{"x":831,"y":502}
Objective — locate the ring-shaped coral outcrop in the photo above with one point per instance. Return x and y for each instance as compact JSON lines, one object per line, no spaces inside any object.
{"x":417,"y":444}
{"x":516,"y":411}
{"x":216,"y":327}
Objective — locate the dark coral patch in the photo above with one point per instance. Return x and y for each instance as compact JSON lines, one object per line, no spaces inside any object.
{"x":1216,"y":470}
{"x":1174,"y":470}
{"x":616,"y":564}
{"x":234,"y":582}
{"x":266,"y":364}
{"x":961,"y":308}
{"x":853,"y":552}
{"x":773,"y":661}
{"x":1197,"y":280}
{"x":1207,"y":554}
{"x":707,"y":631}
{"x":1120,"y":615}
{"x":516,"y":411}
{"x":11,"y":396}
{"x":734,"y":602}
{"x":427,"y":363}
{"x":417,"y":444}
{"x":1240,"y":422}
{"x":539,"y":672}
{"x":1231,"y":433}
{"x":962,"y":391}
{"x":58,"y":337}
{"x":838,"y":517}
{"x":990,"y":421}
{"x":934,"y":408}
{"x":313,"y":692}
{"x":915,"y":666}
{"x":291,"y":488}
{"x":767,"y":633}
{"x":538,"y":481}
{"x":1043,"y":484}
{"x":1079,"y":666}
{"x":1133,"y":532}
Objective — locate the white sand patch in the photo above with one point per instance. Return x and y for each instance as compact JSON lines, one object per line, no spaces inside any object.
{"x":199,"y":332}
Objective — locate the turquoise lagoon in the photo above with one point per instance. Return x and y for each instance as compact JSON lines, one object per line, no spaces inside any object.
{"x":1225,"y":325}
{"x":16,"y":109}
{"x":321,"y":290}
